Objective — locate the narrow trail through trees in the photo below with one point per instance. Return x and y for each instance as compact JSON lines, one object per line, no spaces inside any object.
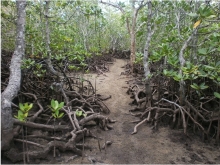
{"x":164,"y":146}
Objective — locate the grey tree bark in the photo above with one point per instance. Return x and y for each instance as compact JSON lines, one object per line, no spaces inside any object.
{"x":133,"y":32}
{"x":146,"y":54}
{"x":47,"y":40}
{"x":182,"y":63}
{"x":14,"y":80}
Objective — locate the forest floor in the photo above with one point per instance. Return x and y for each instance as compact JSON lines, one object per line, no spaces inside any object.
{"x":165,"y":146}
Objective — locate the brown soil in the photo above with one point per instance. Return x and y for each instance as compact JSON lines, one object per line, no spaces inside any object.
{"x":165,"y":146}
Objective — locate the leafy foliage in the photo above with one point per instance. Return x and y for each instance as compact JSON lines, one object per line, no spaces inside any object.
{"x":82,"y":30}
{"x":55,"y":108}
{"x":217,"y":95}
{"x":139,"y":58}
{"x":23,"y":111}
{"x":80,"y":113}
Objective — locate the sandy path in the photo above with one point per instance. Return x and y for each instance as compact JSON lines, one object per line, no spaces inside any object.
{"x":164,"y":146}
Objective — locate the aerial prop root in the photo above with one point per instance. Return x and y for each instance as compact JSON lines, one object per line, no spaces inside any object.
{"x":157,"y":111}
{"x":43,"y":150}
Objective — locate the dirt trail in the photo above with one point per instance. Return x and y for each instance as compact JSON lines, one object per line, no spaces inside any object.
{"x":145,"y":147}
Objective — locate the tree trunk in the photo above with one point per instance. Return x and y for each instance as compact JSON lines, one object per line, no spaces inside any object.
{"x":48,"y":61}
{"x":133,"y":50}
{"x":132,"y":32}
{"x":182,"y":63}
{"x":133,"y":36}
{"x":14,"y":80}
{"x":146,"y":56}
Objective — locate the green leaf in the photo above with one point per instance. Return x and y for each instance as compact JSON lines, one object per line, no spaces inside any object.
{"x":25,"y":105}
{"x":61,"y":105}
{"x":25,"y":115}
{"x":57,"y":112}
{"x":54,"y":115}
{"x":211,"y":16}
{"x":21,"y":107}
{"x":209,"y":67}
{"x":217,"y":95}
{"x":202,"y":51}
{"x":20,"y":113}
{"x":140,"y":33}
{"x":52,"y":103}
{"x":177,"y":77}
{"x":165,"y":72}
{"x":61,"y":115}
{"x":78,"y":113}
{"x":218,"y":63}
{"x":195,"y":86}
{"x":21,"y":119}
{"x":56,"y":104}
{"x":193,"y":14}
{"x":20,"y":116}
{"x":30,"y":106}
{"x":204,"y":87}
{"x":206,"y":12}
{"x":202,"y":73}
{"x":52,"y":109}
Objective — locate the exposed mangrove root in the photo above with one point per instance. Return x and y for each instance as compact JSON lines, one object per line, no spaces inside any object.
{"x":62,"y":134}
{"x":181,"y":116}
{"x":42,"y":126}
{"x":135,"y":128}
{"x":16,"y":155}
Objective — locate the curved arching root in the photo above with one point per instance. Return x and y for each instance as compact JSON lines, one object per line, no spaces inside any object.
{"x":180,"y":115}
{"x":68,"y":130}
{"x":14,"y":155}
{"x":135,"y":128}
